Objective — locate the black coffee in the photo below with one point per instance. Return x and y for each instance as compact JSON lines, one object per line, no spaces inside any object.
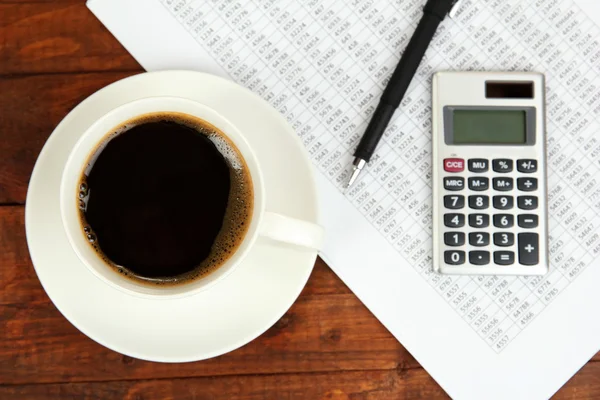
{"x":168,"y":198}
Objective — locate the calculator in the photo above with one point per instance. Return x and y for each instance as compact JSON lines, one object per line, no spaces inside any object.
{"x":489,"y":174}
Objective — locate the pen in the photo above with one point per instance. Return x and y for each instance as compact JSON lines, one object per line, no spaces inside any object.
{"x":434,"y":13}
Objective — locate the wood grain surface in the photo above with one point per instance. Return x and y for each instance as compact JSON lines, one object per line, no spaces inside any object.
{"x":53,"y":54}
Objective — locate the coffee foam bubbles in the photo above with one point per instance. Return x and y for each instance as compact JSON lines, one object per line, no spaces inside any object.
{"x":226,"y":150}
{"x":223,"y":145}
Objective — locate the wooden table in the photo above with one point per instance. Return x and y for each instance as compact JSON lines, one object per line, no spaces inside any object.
{"x":53,"y":54}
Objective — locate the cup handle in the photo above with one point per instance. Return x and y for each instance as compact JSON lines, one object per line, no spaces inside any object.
{"x":291,"y":230}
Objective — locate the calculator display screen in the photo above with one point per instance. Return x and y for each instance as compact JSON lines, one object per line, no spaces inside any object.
{"x":489,"y":127}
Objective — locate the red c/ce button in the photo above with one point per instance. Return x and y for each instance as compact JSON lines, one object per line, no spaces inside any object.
{"x":454,"y":165}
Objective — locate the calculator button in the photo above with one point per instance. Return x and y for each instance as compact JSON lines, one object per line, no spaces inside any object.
{"x":527,"y":221}
{"x":455,"y":257}
{"x":454,"y":220}
{"x":503,"y":202}
{"x":479,"y":202}
{"x":502,"y":165}
{"x":527,"y":166}
{"x":503,"y":184}
{"x":504,"y":257}
{"x":454,"y":202}
{"x":479,"y":239}
{"x":454,"y":238}
{"x":454,"y":165}
{"x":454,"y":183}
{"x":479,"y":220}
{"x":504,"y":239}
{"x":528,"y":248}
{"x":479,"y":184}
{"x":504,"y":220}
{"x":478,"y":165}
{"x":479,"y":257}
{"x":527,"y":202}
{"x":527,"y":184}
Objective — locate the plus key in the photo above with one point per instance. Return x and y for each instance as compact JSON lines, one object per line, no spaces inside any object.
{"x":528,"y":249}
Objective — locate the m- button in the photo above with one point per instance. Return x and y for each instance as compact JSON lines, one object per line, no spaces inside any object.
{"x":454,"y":165}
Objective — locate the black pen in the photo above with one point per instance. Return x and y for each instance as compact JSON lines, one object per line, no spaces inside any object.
{"x":434,"y":13}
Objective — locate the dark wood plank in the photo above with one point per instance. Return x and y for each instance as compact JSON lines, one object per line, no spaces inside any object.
{"x":327,"y":329}
{"x":30,"y":109}
{"x":41,"y":1}
{"x":39,"y":345}
{"x":364,"y":385}
{"x":57,"y":37}
{"x":584,"y":385}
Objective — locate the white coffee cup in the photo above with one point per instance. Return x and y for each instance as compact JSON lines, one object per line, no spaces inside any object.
{"x":274,"y":226}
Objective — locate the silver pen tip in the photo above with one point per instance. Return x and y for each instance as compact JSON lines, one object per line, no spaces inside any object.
{"x":355,"y":173}
{"x":357,"y":166}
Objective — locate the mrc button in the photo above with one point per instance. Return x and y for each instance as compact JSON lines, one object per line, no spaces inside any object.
{"x":454,"y":165}
{"x":454,"y":183}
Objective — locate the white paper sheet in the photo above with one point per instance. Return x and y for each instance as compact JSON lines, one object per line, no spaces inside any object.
{"x":323,"y":64}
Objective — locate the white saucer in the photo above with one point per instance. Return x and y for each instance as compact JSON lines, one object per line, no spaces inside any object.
{"x":213,"y":322}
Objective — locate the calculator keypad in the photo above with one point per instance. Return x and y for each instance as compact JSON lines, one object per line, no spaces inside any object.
{"x":499,"y":212}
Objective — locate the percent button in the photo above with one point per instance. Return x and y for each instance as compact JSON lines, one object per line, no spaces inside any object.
{"x":502,"y":165}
